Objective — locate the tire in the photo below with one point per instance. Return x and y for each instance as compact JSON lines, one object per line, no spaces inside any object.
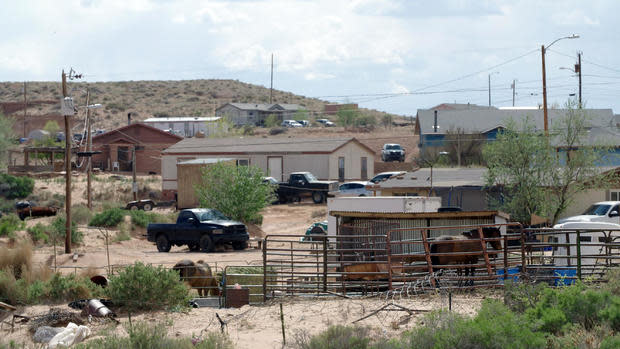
{"x":282,"y":199}
{"x":134,"y":207}
{"x":362,"y":195}
{"x":193,"y":247}
{"x":147,"y":206}
{"x":163,"y":244}
{"x":239,"y":245}
{"x":206,"y":244}
{"x":317,"y":197}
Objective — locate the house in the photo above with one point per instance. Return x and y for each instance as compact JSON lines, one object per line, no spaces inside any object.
{"x":187,"y":126}
{"x":117,"y":148}
{"x":256,"y":114}
{"x":327,"y":158}
{"x":462,"y":187}
{"x":445,"y":123}
{"x":332,"y":109}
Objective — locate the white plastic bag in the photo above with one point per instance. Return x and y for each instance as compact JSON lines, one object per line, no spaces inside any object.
{"x":70,"y":335}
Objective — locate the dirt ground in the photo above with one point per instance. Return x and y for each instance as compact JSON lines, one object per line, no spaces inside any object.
{"x":249,"y":326}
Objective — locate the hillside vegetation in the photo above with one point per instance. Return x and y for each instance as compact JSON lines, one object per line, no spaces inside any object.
{"x":153,"y":98}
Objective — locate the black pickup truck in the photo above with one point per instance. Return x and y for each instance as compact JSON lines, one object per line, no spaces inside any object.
{"x":199,"y":229}
{"x":304,"y":184}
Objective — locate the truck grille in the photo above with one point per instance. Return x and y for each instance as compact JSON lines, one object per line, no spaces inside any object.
{"x":236,"y":229}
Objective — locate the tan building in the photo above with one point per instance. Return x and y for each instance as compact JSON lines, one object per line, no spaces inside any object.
{"x":341,"y":159}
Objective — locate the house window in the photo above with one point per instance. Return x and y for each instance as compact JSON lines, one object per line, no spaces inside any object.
{"x":614,"y":195}
{"x":341,"y":169}
{"x":364,"y":165}
{"x":243,"y":162}
{"x":585,"y":239}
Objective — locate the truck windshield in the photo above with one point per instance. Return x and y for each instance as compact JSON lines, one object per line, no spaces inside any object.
{"x":392,"y":147}
{"x":211,"y":215}
{"x":597,"y":210}
{"x":310,"y":177}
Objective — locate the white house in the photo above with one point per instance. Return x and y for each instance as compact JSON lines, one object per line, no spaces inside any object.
{"x":186,"y":126}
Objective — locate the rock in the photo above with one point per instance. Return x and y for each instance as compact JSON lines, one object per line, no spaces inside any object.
{"x":45,"y":333}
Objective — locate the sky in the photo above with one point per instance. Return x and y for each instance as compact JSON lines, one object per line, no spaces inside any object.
{"x":394,"y":56}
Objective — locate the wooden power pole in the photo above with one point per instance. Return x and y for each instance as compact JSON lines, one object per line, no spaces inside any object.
{"x":25,"y":108}
{"x":134,"y":185}
{"x":271,"y":84}
{"x":89,"y":148}
{"x":68,"y":171}
{"x":578,"y":68}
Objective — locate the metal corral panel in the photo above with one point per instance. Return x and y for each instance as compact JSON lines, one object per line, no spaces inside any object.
{"x":189,"y":175}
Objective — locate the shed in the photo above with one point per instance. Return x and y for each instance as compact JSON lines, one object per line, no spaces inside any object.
{"x":190,"y":173}
{"x":339,"y":159}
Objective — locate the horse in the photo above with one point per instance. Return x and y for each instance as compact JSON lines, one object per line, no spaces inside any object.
{"x":467,"y":242}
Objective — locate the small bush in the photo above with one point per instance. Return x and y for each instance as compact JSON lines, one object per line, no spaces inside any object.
{"x":143,"y":287}
{"x":611,"y":342}
{"x":58,"y":228}
{"x":142,"y":219}
{"x":108,"y":218}
{"x":15,"y":187}
{"x":39,"y":232}
{"x":277,"y":130}
{"x":16,"y":259}
{"x":337,"y":337}
{"x":81,"y":214}
{"x":147,"y":335}
{"x":9,"y":224}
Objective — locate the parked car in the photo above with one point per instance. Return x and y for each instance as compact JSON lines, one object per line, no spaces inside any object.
{"x":385,"y":175}
{"x":392,"y":151}
{"x":304,"y":184}
{"x":303,"y":123}
{"x":357,"y":188}
{"x":325,"y":122}
{"x":199,"y":229}
{"x":290,"y":123}
{"x":605,"y":211}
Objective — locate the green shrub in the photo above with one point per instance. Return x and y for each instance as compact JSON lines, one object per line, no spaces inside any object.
{"x":147,"y":335}
{"x":15,"y":187}
{"x":81,"y":214}
{"x":108,"y":218}
{"x":495,"y":326}
{"x":337,"y":337}
{"x":142,"y":219}
{"x":9,"y":224}
{"x":611,"y":342}
{"x":70,"y":287}
{"x":59,"y":288}
{"x":39,"y":232}
{"x":146,"y":287}
{"x":58,"y":228}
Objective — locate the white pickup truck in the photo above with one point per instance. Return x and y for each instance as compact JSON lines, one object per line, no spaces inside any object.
{"x":603,"y":216}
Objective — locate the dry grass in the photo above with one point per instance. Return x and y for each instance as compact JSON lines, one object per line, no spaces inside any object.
{"x":16,"y":259}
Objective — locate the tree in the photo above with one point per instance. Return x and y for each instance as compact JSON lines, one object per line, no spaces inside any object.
{"x":347,"y":117}
{"x":300,"y":114}
{"x":542,"y":175}
{"x":6,"y":138}
{"x":237,"y":191}
{"x":271,"y":120}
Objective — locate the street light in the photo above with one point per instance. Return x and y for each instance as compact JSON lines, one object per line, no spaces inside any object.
{"x":544,"y":78}
{"x":495,"y":72}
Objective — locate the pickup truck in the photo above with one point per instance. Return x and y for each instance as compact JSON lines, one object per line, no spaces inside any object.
{"x":605,"y":211}
{"x":391,"y":152}
{"x":199,"y":229}
{"x":304,"y":184}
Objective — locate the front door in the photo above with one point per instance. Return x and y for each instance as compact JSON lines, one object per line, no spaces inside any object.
{"x":341,"y":169}
{"x":274,"y":167}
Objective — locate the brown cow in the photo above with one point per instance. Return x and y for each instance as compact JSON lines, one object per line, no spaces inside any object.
{"x":198,"y":275}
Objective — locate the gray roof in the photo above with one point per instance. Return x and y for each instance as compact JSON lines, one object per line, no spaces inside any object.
{"x":183,"y":119}
{"x":205,"y":161}
{"x":263,"y":106}
{"x":257,"y":145}
{"x":442,"y":177}
{"x":484,"y":120}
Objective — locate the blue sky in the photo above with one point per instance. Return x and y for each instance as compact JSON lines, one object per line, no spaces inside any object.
{"x":394,"y":56}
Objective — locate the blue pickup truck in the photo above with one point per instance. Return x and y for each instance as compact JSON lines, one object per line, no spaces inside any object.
{"x":200,"y":229}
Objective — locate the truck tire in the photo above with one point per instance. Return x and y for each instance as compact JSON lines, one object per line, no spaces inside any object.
{"x":206,"y":243}
{"x":163,"y":244}
{"x":239,"y":245}
{"x":193,"y":246}
{"x":134,"y":207}
{"x":317,"y":197}
{"x":147,"y":206}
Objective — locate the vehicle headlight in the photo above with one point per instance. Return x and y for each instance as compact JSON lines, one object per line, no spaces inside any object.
{"x":217,"y":231}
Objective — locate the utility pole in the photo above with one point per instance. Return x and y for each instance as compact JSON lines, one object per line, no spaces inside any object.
{"x":134,"y":186}
{"x":271,"y":85}
{"x":25,"y":108}
{"x":578,"y":71}
{"x":489,"y":90}
{"x":544,"y":86}
{"x":89,"y":148}
{"x":514,"y":87}
{"x":67,"y":170}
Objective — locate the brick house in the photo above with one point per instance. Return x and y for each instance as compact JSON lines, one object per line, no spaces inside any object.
{"x":117,"y":148}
